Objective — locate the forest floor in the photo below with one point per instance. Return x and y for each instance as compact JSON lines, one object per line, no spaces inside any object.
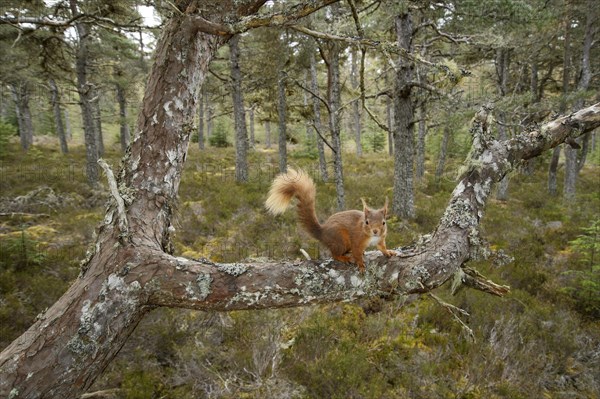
{"x":541,"y":340}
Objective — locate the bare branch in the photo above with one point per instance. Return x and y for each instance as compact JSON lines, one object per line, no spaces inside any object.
{"x":374,"y":118}
{"x":284,"y":18}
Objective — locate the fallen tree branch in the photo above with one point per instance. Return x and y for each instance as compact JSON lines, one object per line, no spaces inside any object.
{"x":472,"y":278}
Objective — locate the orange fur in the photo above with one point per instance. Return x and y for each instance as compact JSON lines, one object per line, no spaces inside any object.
{"x":343,"y":232}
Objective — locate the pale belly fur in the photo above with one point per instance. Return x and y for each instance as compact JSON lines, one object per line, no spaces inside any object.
{"x":374,"y":240}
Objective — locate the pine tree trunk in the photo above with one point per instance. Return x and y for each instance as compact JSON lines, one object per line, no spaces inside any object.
{"x":267,"y":134}
{"x":58,"y":120}
{"x":317,"y":119}
{"x":553,"y":167}
{"x":20,"y":93}
{"x":201,"y":102}
{"x":124,"y":135}
{"x":241,"y":132}
{"x":389,"y":112}
{"x":252,"y":136}
{"x":403,"y":203}
{"x":68,"y":131}
{"x":86,"y":98}
{"x":70,"y":344}
{"x":210,"y":115}
{"x":334,"y":99}
{"x":420,"y":164}
{"x":98,"y":122}
{"x":502,"y":70}
{"x":575,"y":158}
{"x":356,"y":108}
{"x":439,"y":170}
{"x":553,"y":171}
{"x":282,"y":124}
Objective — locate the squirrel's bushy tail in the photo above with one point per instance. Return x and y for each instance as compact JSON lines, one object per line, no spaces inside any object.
{"x":295,"y":184}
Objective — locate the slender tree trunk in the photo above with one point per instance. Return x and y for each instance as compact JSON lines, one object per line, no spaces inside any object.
{"x":389,"y":112}
{"x":281,"y":112}
{"x":201,"y":102}
{"x":310,"y":134}
{"x":98,"y":122}
{"x":68,"y":131}
{"x":317,"y":118}
{"x":575,"y":158}
{"x":252,"y":135}
{"x":420,"y":164}
{"x":124,"y":135}
{"x":86,"y":98}
{"x":267,"y":134}
{"x":553,"y":168}
{"x":356,"y":107}
{"x":58,"y":121}
{"x":241,"y":132}
{"x":210,"y":115}
{"x":502,"y":69}
{"x":334,"y":99}
{"x":403,"y":203}
{"x":439,"y":170}
{"x":552,"y":172}
{"x":20,"y":93}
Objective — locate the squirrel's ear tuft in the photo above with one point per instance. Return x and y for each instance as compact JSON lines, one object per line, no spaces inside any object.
{"x":365,"y":207}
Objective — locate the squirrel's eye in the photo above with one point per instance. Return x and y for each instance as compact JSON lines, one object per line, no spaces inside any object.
{"x":367,"y":221}
{"x":384,"y":222}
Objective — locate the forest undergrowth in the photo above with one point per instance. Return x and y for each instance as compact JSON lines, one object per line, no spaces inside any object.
{"x":540,"y":341}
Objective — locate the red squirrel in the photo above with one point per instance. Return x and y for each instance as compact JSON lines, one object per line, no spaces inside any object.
{"x":343,"y":232}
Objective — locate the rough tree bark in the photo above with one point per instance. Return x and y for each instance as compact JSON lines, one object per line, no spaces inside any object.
{"x":239,"y":113}
{"x":129,"y":269}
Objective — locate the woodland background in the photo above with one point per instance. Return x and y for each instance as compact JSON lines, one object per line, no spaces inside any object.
{"x":529,"y":59}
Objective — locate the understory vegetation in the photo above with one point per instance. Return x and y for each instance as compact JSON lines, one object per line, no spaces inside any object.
{"x":541,"y":340}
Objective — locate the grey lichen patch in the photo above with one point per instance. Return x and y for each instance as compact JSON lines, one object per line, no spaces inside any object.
{"x":478,"y":247}
{"x":459,"y":213}
{"x":82,"y":346}
{"x":233,"y":269}
{"x":199,"y":289}
{"x":14,"y":393}
{"x":482,"y":191}
{"x":127,"y":193}
{"x":419,"y":274}
{"x":182,"y":263}
{"x":115,"y":293}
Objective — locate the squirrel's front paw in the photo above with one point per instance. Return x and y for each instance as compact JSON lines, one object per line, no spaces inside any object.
{"x":390,"y":253}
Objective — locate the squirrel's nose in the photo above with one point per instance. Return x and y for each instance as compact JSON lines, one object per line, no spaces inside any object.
{"x":376,"y":232}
